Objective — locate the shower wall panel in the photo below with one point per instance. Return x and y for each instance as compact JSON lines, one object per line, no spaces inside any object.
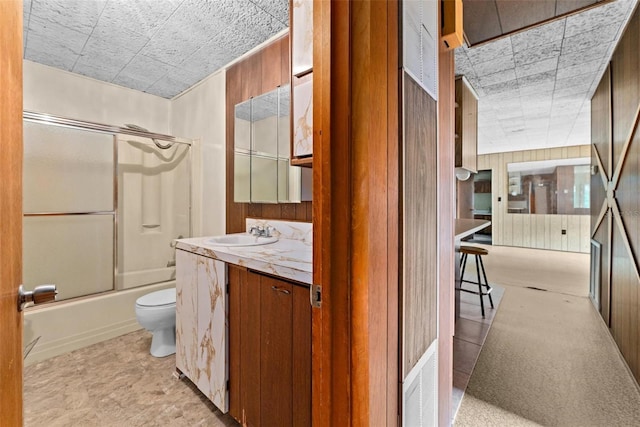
{"x":153,"y":210}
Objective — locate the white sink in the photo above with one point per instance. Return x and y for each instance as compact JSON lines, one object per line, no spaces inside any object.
{"x":241,"y":239}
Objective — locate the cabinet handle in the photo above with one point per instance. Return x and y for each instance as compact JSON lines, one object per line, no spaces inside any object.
{"x":284,"y":291}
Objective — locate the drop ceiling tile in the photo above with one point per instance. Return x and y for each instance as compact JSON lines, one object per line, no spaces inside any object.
{"x":54,"y":56}
{"x":540,"y":123}
{"x":536,"y":89}
{"x":48,"y":52}
{"x":490,"y":51}
{"x":185,"y":75}
{"x":463,"y":65}
{"x":131,"y":82}
{"x":119,"y":36}
{"x":600,"y":35}
{"x":501,"y":63}
{"x":143,"y":17}
{"x":500,"y":88}
{"x":588,"y":68}
{"x":501,"y":77}
{"x":537,"y":79}
{"x":243,"y":15}
{"x":538,"y":53}
{"x":167,"y":87}
{"x":209,"y":58}
{"x":537,"y":67}
{"x":26,"y":10}
{"x":79,"y":15}
{"x":605,"y":14}
{"x":102,"y":59}
{"x":572,"y":58}
{"x":544,"y":34}
{"x":56,"y":33}
{"x":105,"y":72}
{"x":583,"y":81}
{"x":143,"y":68}
{"x":279,"y":9}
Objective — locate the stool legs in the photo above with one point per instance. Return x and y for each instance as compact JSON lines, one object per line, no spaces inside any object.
{"x":486,"y":282}
{"x":480,"y":293}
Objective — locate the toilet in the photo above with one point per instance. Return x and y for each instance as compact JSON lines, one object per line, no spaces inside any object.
{"x":156,"y":312}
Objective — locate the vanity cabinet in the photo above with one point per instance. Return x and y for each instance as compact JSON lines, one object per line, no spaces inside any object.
{"x":466,"y":118}
{"x":270,"y":350}
{"x":201,"y":324}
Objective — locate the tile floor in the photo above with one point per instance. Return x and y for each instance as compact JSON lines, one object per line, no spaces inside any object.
{"x":114,"y":383}
{"x":470,"y":333}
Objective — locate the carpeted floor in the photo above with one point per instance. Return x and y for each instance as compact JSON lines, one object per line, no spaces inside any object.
{"x":562,"y":272}
{"x":548,"y":358}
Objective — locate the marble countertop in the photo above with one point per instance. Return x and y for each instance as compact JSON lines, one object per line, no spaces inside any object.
{"x":287,"y":258}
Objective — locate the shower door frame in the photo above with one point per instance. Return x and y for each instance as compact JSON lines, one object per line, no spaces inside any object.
{"x":50,"y":119}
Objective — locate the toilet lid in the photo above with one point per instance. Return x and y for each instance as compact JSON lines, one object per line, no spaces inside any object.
{"x":158,"y":298}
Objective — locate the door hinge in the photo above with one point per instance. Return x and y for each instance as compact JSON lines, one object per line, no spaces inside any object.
{"x":315,"y":296}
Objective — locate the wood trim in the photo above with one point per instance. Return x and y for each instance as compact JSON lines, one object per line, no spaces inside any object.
{"x":394,"y":236}
{"x":370,"y":32}
{"x":331,"y":217}
{"x":445,"y":224}
{"x":11,"y":211}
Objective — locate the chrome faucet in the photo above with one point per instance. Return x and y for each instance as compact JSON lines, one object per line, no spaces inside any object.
{"x":260,"y":231}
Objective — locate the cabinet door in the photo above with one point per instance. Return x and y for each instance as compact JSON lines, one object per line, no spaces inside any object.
{"x":276,"y":371}
{"x":186,"y":313}
{"x":212,"y":331}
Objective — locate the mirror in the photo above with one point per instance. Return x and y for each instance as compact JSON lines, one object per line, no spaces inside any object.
{"x":262,"y":172}
{"x":550,"y":187}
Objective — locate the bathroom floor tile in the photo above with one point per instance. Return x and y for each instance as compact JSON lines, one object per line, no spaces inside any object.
{"x":114,"y":383}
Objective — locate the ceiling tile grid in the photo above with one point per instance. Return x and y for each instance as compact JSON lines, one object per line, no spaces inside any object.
{"x":162,"y":47}
{"x":534,"y":87}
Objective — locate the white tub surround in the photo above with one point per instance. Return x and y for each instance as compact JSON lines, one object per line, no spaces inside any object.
{"x":291,"y":257}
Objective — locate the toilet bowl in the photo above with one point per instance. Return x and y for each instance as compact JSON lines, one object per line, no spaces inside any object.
{"x":156,"y":312}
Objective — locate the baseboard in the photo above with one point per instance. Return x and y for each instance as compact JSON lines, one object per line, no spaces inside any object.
{"x":67,"y":344}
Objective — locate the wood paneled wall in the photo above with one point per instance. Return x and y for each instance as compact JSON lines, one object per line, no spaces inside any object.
{"x":419,"y":286}
{"x":533,"y":231}
{"x":445,"y":223}
{"x":356,"y":184}
{"x":254,"y":75}
{"x":616,"y":151}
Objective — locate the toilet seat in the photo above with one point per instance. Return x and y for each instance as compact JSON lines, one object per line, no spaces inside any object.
{"x":165,"y":297}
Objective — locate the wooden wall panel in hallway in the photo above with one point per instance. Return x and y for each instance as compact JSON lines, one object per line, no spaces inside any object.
{"x":619,"y":226}
{"x":602,"y":159}
{"x":536,"y":231}
{"x":259,"y":73}
{"x":420,"y":236}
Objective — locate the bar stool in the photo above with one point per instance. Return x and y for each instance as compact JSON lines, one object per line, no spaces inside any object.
{"x":478,"y":253}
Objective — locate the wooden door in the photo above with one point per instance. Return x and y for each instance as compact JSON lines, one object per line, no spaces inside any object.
{"x":10,"y":210}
